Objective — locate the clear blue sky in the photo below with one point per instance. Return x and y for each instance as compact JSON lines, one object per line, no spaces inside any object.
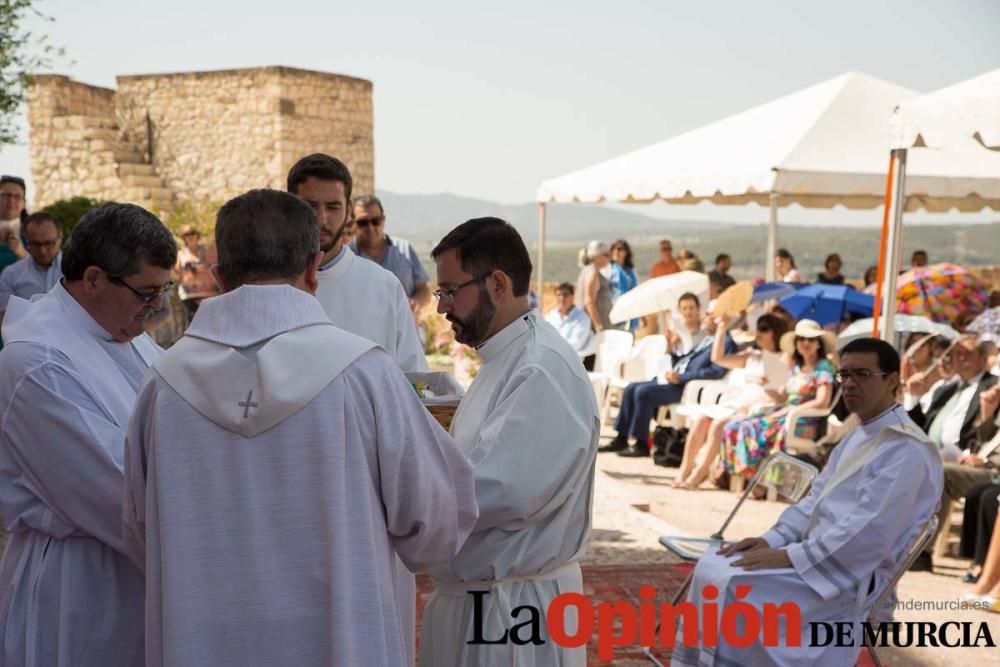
{"x":488,"y":99}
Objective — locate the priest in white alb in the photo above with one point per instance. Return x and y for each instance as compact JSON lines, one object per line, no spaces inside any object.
{"x":275,"y":466}
{"x":833,"y":552}
{"x":74,"y":358}
{"x":359,"y":296}
{"x":529,"y":423}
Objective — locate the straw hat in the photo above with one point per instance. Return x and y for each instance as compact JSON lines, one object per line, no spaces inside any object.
{"x":734,"y":300}
{"x":808,"y":329}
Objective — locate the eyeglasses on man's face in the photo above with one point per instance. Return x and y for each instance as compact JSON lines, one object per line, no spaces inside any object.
{"x":448,"y":295}
{"x":857,"y":374}
{"x":147,"y":298}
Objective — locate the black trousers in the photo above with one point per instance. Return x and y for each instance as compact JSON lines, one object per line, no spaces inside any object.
{"x":981,"y":503}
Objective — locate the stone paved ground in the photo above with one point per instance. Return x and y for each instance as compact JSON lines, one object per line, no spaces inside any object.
{"x":634,"y":504}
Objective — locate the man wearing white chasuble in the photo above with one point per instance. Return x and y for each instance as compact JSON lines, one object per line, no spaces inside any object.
{"x":276,"y":465}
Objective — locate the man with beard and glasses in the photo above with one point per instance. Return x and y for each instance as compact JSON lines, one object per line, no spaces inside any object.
{"x":529,"y":424}
{"x":358,"y":296}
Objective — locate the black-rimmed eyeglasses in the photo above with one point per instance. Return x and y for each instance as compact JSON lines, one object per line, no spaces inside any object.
{"x":448,"y":295}
{"x":147,"y":298}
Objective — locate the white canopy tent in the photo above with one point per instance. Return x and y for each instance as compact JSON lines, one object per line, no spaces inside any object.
{"x":962,"y":120}
{"x":819,"y":147}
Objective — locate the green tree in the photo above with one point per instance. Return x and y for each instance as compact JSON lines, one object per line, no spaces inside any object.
{"x":21,"y":52}
{"x":69,"y":211}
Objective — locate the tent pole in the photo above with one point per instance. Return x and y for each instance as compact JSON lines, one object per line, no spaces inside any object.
{"x":883,"y":242}
{"x":541,"y":253}
{"x":772,"y":238}
{"x":894,"y":246}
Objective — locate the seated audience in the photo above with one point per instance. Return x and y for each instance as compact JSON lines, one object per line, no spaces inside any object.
{"x":641,"y":400}
{"x":810,"y":385}
{"x":706,"y":432}
{"x":571,"y":322}
{"x":960,"y":421}
{"x":784,"y":267}
{"x":833,"y":552}
{"x":831,"y":274}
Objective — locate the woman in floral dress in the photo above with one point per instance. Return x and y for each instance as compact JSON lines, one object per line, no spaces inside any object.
{"x":747,"y":442}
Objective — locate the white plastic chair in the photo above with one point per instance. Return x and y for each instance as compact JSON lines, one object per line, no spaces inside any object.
{"x":639,"y":365}
{"x":610,"y":346}
{"x":697,"y":393}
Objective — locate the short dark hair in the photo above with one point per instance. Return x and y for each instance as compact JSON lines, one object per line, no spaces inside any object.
{"x":16,"y":180}
{"x":565,"y":287}
{"x":489,"y":244}
{"x":721,"y":256}
{"x":689,"y":296}
{"x":39,"y":217}
{"x":323,"y":167}
{"x":784,"y":254}
{"x":888,"y":358}
{"x":918,"y":252}
{"x":369,"y":200}
{"x":832,"y":256}
{"x":115,"y":238}
{"x":264,"y":235}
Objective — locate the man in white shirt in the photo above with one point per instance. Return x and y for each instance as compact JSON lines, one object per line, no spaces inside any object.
{"x":529,"y":424}
{"x":833,"y":552}
{"x":571,"y":322}
{"x":953,"y":423}
{"x":275,"y":465}
{"x":71,"y":592}
{"x":358,"y":296}
{"x":42,"y":268}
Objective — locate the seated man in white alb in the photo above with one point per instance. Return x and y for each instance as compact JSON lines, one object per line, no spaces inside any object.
{"x":571,"y":322}
{"x":833,"y":552}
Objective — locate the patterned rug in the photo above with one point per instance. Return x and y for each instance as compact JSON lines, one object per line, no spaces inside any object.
{"x":606,"y":583}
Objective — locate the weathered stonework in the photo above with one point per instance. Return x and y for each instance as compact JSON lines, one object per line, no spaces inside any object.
{"x":165,"y":138}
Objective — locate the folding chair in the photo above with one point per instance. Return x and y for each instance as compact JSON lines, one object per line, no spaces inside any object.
{"x":609,"y":346}
{"x":639,"y":365}
{"x":925,"y":536}
{"x":796,"y":479}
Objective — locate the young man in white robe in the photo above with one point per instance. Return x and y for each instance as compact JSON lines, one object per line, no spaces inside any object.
{"x":833,"y":552}
{"x":70,"y":589}
{"x":359,"y":296}
{"x":275,"y":466}
{"x":530,"y":425}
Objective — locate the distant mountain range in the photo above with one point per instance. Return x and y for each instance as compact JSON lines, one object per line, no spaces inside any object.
{"x":424,"y":217}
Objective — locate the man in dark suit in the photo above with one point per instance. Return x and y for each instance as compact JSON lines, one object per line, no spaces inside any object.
{"x":641,"y":399}
{"x":958,"y":424}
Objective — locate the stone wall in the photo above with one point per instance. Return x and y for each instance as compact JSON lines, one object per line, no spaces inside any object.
{"x":167,"y":138}
{"x":73,"y":140}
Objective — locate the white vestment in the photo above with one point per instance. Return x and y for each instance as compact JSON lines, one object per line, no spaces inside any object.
{"x":270,"y":519}
{"x":530,"y":426}
{"x":361,"y":297}
{"x":70,"y":595}
{"x":844,"y":543}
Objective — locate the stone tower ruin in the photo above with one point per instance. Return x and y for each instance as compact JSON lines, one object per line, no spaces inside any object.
{"x":165,"y":138}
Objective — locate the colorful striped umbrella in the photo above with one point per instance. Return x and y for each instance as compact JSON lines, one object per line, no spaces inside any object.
{"x":941,"y":292}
